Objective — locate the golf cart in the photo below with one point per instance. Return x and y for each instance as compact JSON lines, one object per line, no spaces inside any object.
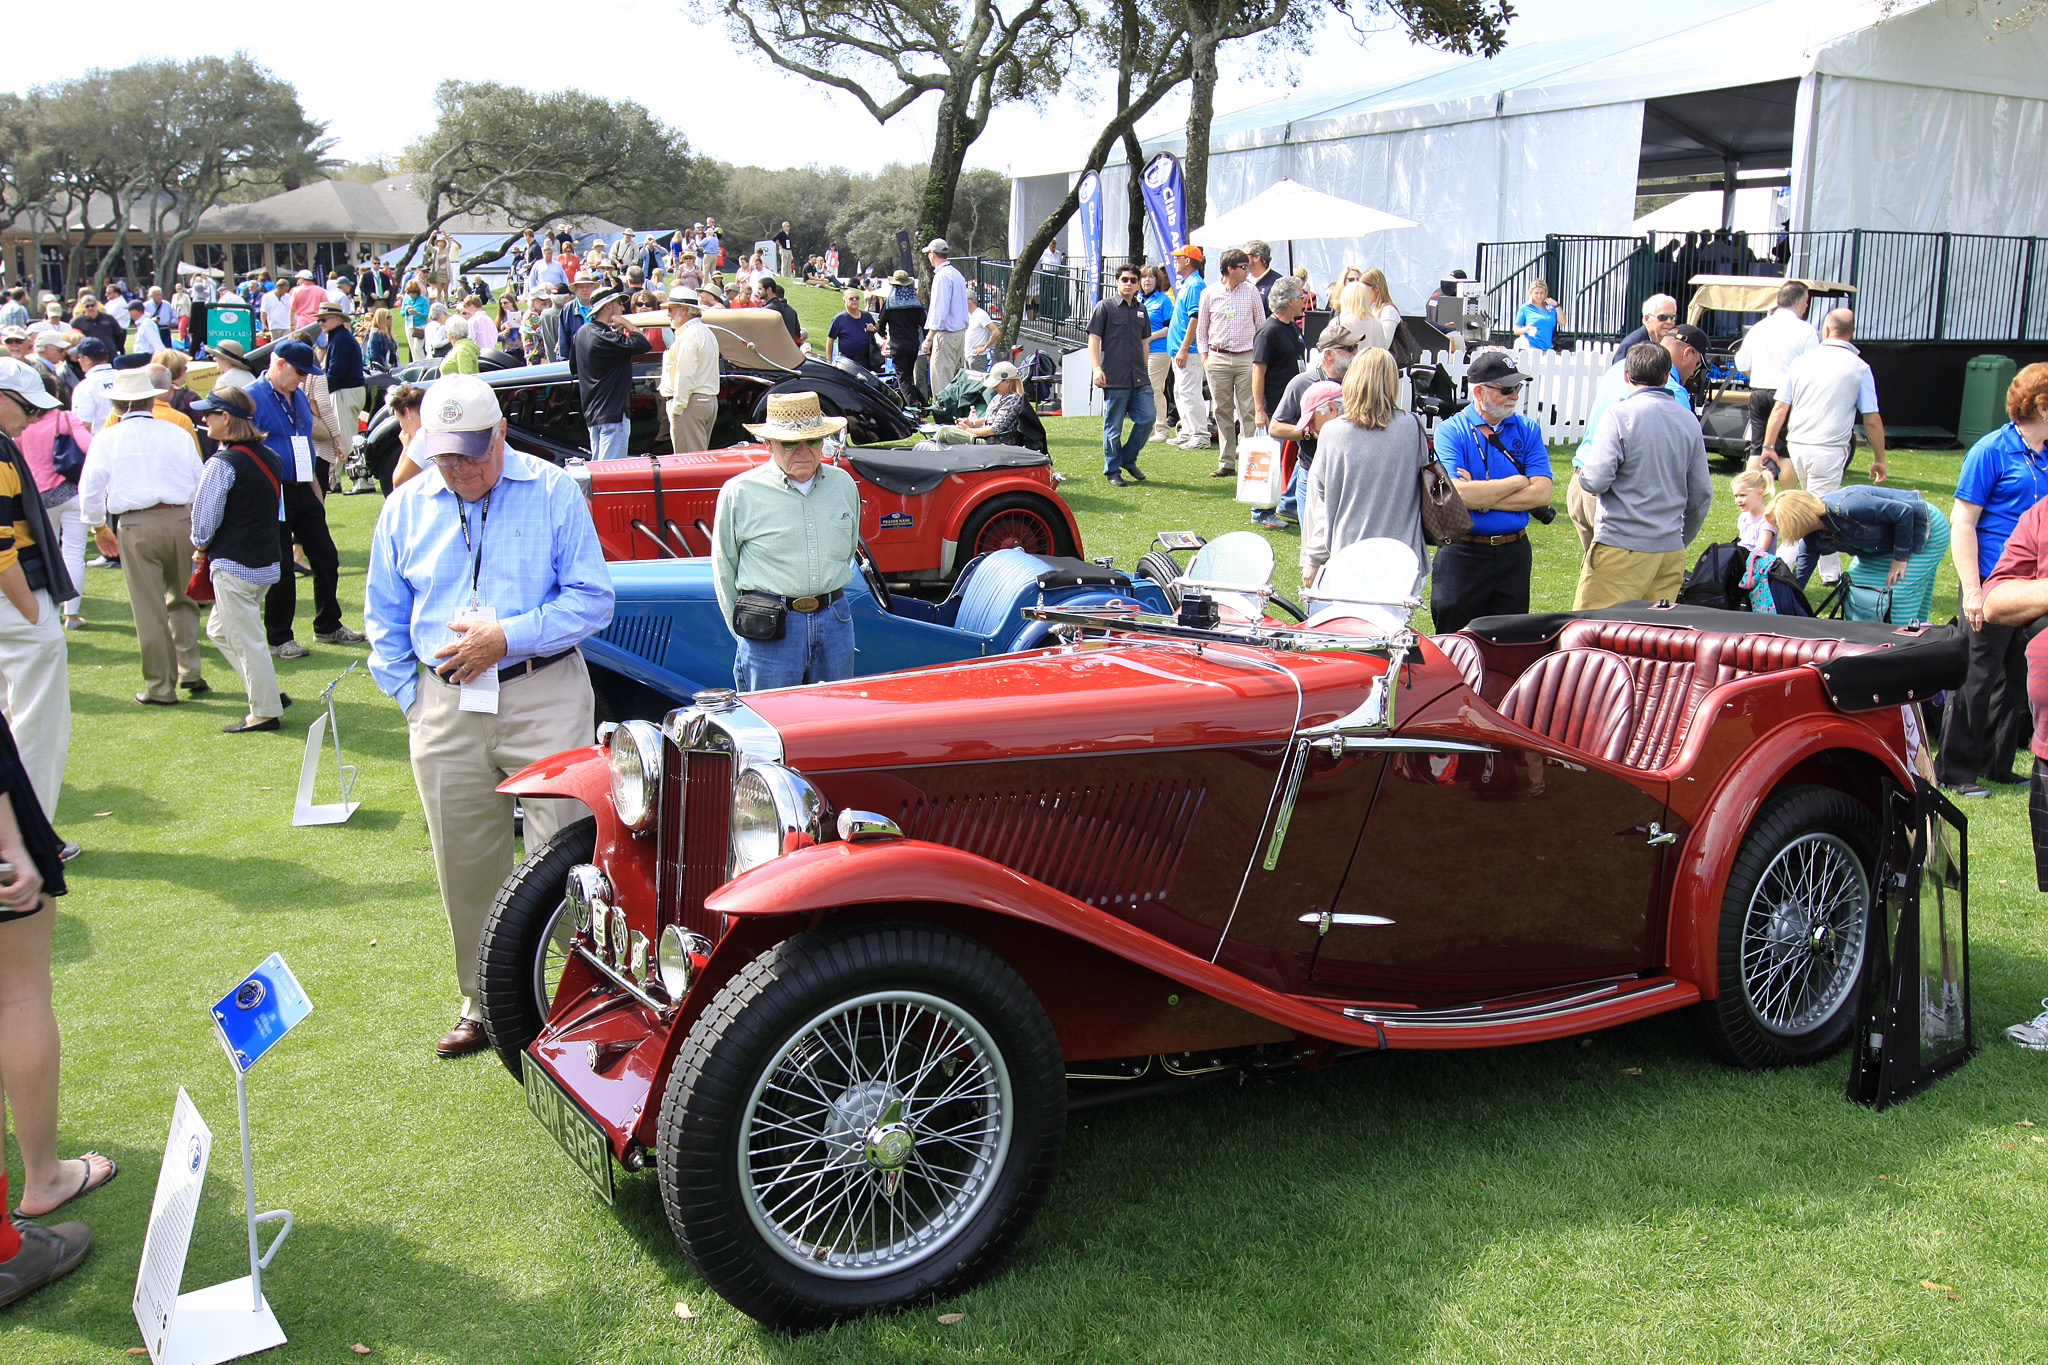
{"x":1723,"y":396}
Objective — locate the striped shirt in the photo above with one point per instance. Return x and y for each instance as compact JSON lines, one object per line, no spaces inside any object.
{"x":531,"y":552}
{"x":15,"y":535}
{"x":1229,"y":319}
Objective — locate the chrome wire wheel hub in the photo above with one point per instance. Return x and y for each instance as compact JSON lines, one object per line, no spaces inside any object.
{"x":875,"y":1134}
{"x":1803,"y":937}
{"x":553,"y":956}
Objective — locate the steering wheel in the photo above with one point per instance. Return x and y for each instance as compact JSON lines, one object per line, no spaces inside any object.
{"x":871,"y":575}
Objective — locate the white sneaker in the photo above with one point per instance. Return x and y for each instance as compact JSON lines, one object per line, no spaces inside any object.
{"x":2034,"y":1033}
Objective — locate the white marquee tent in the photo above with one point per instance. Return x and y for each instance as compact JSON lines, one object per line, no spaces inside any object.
{"x":1922,"y":121}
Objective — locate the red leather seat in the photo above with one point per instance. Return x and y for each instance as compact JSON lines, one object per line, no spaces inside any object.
{"x":1582,"y":698}
{"x":1461,"y":650}
{"x":1673,"y":669}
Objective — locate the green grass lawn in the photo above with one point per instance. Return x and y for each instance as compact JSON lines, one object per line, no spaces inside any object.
{"x":1612,"y":1198}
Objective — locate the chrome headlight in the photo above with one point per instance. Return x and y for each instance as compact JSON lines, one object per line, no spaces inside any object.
{"x":774,"y":811}
{"x":635,"y":752}
{"x":677,"y":970}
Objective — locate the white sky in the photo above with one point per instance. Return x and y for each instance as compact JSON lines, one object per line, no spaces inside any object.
{"x":795,"y":121}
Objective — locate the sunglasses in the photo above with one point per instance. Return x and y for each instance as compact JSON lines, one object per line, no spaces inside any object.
{"x":1665,"y":317}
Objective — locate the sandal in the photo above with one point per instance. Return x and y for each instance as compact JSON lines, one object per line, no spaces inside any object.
{"x":85,"y":1186}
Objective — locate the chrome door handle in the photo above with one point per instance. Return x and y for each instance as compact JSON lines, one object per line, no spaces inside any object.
{"x":1660,"y":835}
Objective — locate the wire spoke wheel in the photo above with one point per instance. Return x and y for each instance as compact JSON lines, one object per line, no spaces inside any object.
{"x":874,"y":1134}
{"x":556,"y":936}
{"x":1016,"y":529}
{"x":1803,"y":938}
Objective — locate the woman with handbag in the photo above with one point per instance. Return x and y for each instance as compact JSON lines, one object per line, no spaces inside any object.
{"x":234,"y":534}
{"x":1898,"y":540}
{"x":1365,"y":482}
{"x":55,"y":445}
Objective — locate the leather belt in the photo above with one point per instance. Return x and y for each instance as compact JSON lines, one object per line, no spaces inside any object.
{"x":815,"y":602}
{"x":524,"y":669}
{"x":1508,"y":539}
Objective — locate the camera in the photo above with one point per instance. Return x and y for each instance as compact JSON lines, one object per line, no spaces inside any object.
{"x":1545,"y":514}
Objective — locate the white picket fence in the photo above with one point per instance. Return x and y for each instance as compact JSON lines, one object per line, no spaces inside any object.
{"x":1559,"y":395}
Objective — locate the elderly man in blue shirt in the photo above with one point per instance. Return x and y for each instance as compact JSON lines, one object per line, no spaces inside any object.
{"x":1502,"y":469}
{"x":485,"y":574}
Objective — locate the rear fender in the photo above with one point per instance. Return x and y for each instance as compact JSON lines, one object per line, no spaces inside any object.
{"x":1829,"y":750}
{"x":988,"y":486}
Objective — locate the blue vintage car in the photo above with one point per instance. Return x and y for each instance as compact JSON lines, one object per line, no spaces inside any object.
{"x":667,"y":639}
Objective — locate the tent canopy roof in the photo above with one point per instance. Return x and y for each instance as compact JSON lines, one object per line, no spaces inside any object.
{"x":1292,"y":212}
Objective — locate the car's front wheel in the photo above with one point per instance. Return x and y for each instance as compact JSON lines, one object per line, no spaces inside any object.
{"x":526,"y":940}
{"x":1795,"y":930}
{"x":863,"y":1117}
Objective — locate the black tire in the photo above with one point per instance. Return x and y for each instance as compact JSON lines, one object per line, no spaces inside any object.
{"x":1162,"y":568}
{"x":1795,"y":930}
{"x":512,"y":959}
{"x":1024,"y":520}
{"x":751,"y":1049}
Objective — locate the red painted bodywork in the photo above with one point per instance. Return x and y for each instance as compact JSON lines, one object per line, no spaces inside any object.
{"x":919,"y":540}
{"x":1123,"y":792}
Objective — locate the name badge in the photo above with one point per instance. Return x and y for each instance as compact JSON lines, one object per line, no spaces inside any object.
{"x":481,"y":692}
{"x":302,"y":459}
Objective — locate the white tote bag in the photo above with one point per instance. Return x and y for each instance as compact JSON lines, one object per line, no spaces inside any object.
{"x":1259,"y":482}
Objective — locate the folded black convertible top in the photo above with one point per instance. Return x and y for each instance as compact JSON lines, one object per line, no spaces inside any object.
{"x":1902,"y":664}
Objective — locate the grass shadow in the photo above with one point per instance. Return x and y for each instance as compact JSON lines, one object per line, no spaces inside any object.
{"x":251,"y":884}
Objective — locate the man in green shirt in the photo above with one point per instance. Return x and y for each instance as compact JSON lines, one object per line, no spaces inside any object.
{"x":782,"y":546}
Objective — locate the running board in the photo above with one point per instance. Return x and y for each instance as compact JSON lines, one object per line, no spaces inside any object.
{"x":1528,"y":1019}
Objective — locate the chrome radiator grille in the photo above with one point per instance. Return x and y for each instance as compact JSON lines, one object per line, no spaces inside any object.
{"x":1117,"y":844}
{"x":691,"y":833}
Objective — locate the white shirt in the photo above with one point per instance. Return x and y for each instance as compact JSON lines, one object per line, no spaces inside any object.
{"x":437,"y":335}
{"x":981,"y":330}
{"x":149,"y":338}
{"x":1767,"y":353}
{"x":1826,"y":388}
{"x":689,"y":368}
{"x":277,"y":312}
{"x":89,"y":401}
{"x":138,"y":462}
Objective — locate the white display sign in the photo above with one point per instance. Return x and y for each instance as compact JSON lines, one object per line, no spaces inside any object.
{"x":186,"y":1153}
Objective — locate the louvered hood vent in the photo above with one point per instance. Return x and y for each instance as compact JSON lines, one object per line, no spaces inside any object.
{"x":1119,"y":844}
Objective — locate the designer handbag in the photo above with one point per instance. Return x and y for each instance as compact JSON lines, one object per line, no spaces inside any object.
{"x":758,"y":615}
{"x":1444,"y":515}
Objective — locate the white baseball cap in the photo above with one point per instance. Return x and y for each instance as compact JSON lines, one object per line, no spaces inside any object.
{"x":25,"y":382}
{"x":458,"y":416}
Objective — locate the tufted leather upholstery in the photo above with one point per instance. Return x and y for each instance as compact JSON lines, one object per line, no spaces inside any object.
{"x":1742,"y":655}
{"x":1582,"y":698}
{"x":1461,"y":650}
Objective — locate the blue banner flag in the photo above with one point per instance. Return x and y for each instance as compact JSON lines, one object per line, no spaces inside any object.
{"x":1166,"y":203}
{"x":1091,"y":234}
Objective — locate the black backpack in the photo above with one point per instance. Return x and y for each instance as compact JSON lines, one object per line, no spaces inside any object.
{"x":1715,"y":580}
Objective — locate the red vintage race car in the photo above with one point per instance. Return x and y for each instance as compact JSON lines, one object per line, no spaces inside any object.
{"x":835,"y":960}
{"x":924,"y":514}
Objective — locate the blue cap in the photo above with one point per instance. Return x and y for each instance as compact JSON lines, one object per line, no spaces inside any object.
{"x":92,"y":348}
{"x":298,"y":355}
{"x":134,"y":360}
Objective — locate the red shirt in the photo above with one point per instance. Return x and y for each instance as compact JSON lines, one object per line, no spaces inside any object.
{"x":2026,"y":553}
{"x":569,"y":263}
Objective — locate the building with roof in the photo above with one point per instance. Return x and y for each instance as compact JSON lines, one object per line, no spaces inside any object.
{"x":320,"y":227}
{"x":1928,"y":121}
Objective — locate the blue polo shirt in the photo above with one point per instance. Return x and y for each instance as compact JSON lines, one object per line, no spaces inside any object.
{"x":1462,"y":448}
{"x":1187,"y":298}
{"x":1159,"y":308}
{"x":279,"y":425}
{"x":2004,"y":478}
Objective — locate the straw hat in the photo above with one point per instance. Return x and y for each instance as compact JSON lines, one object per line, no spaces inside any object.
{"x":795,"y":417}
{"x":1796,"y":514}
{"x":131,"y":386}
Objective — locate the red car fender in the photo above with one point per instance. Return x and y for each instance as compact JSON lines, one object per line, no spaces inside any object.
{"x":1708,"y":854}
{"x":956,"y":521}
{"x":585,"y":775}
{"x":841,"y":874}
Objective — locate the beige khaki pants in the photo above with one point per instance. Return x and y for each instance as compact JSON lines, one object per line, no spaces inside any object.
{"x":1612,"y":575}
{"x":1158,"y":367}
{"x":1584,"y":510}
{"x":458,"y":760}
{"x":689,"y":425}
{"x":235,"y":625}
{"x":156,"y":560}
{"x":35,"y":692}
{"x":1230,"y":392}
{"x":949,"y":352}
{"x":1819,"y":471}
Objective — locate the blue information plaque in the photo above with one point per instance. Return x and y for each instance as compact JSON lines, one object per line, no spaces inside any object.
{"x":262,"y":1009}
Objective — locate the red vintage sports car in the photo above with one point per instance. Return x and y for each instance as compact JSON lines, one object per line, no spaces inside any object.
{"x":831,"y":958}
{"x":923,"y":514}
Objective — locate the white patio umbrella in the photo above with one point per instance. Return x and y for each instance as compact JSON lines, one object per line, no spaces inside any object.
{"x":1291,"y":211}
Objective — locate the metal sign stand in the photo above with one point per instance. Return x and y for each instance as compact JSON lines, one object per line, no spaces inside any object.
{"x":304,"y":811}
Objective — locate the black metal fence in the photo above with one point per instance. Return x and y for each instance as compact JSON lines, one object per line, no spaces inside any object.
{"x":1056,"y":298}
{"x":1911,"y":286}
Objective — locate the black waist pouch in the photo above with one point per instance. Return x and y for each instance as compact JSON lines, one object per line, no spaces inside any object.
{"x":758,"y":615}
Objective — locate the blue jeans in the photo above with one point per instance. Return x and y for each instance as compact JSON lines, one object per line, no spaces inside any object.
{"x":815,"y":647}
{"x":1120,"y":451}
{"x":608,"y":442}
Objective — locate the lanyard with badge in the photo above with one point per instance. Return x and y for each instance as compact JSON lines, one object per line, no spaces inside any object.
{"x":302,"y":445}
{"x":481,"y":692}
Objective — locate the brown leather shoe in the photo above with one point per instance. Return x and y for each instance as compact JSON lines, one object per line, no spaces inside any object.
{"x":466,"y":1037}
{"x":1223,"y":472}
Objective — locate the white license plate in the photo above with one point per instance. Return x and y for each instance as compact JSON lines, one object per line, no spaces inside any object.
{"x":566,"y":1122}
